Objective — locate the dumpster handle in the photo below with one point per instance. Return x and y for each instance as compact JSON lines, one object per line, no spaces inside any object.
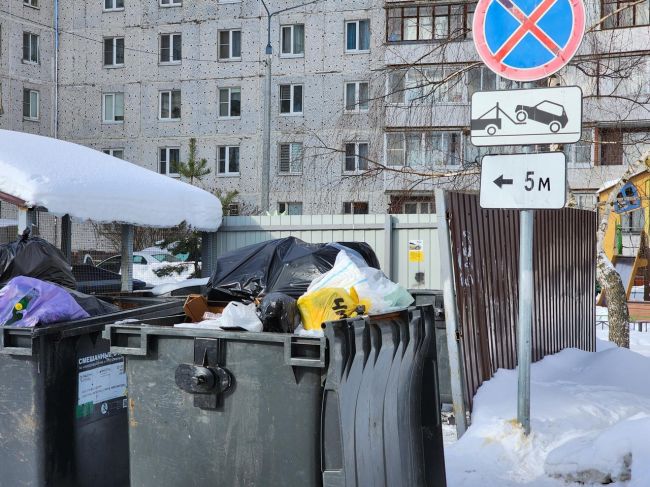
{"x":301,"y":352}
{"x":123,"y":338}
{"x":9,"y":344}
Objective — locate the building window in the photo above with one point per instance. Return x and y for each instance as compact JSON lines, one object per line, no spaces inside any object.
{"x":426,"y":84}
{"x":114,"y":51}
{"x":407,"y":203}
{"x":621,"y":145}
{"x":356,"y":157}
{"x":233,"y":208}
{"x":168,"y":159}
{"x":170,"y":105}
{"x":229,"y":102}
{"x":30,"y":48}
{"x":413,"y":23}
{"x":31,"y":3}
{"x":293,"y":40}
{"x":230,"y":45}
{"x":228,"y":162}
{"x":585,"y":201}
{"x":113,"y":5}
{"x":628,"y":13}
{"x":290,"y":208}
{"x":291,"y":158}
{"x":579,"y":154}
{"x":611,"y":147}
{"x":30,"y":104}
{"x":171,"y":3}
{"x":355,"y":208}
{"x":113,"y":108}
{"x":426,"y":149}
{"x":357,"y":36}
{"x":119,"y":153}
{"x":291,"y":99}
{"x":356,"y":96}
{"x":170,"y":48}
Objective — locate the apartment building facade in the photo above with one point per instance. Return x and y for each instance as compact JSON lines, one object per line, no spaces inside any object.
{"x":369,"y":101}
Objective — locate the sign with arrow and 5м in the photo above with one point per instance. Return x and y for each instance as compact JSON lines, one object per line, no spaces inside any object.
{"x":524,"y":181}
{"x":537,"y":116}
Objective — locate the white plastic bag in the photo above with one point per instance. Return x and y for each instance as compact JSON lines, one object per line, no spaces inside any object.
{"x":239,"y":315}
{"x":370,"y":284}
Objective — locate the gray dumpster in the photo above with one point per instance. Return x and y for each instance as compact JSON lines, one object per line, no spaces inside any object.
{"x":434,"y":298}
{"x":227,"y":408}
{"x":63,"y":418}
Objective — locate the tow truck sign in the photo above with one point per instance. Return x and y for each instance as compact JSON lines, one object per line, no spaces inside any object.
{"x":522,"y":117}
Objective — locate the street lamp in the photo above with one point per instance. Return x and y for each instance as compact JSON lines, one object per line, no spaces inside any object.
{"x":266,"y":149}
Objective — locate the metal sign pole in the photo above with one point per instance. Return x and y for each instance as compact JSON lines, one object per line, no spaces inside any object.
{"x":524,"y":328}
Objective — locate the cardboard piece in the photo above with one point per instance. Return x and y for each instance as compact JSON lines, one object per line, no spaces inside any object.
{"x":196,"y":305}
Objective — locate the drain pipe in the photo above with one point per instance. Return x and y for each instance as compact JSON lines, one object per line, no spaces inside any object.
{"x":56,"y":69}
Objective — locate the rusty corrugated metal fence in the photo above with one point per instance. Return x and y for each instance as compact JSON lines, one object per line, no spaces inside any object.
{"x":486,"y":252}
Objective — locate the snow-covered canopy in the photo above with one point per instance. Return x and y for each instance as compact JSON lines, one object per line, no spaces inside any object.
{"x":86,"y":184}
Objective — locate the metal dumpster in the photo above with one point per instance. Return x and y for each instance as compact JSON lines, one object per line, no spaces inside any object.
{"x":226,"y":408}
{"x":63,"y":418}
{"x":434,"y":298}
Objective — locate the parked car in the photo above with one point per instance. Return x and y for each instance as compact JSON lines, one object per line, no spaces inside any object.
{"x":546,"y":112}
{"x":147,"y":265}
{"x":95,"y":280}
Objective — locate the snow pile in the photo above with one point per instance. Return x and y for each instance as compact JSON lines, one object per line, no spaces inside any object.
{"x":590,"y":420}
{"x":87,"y":184}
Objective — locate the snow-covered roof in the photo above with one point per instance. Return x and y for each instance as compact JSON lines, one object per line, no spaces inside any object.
{"x":87,"y":184}
{"x":613,"y":182}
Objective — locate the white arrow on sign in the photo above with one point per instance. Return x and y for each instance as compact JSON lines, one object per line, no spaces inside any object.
{"x":524,"y":181}
{"x":523,"y":117}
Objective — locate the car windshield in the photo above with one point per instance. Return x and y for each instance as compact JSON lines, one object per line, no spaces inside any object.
{"x":166,"y":258}
{"x":549,"y":107}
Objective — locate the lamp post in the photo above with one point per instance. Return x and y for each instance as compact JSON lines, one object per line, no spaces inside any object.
{"x":266,"y":149}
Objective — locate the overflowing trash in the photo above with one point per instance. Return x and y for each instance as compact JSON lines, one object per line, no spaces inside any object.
{"x":289,"y":286}
{"x":34,"y":257}
{"x":286,"y":265}
{"x":26,"y":302}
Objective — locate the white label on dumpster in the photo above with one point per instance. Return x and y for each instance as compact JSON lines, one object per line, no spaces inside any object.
{"x":103,"y":383}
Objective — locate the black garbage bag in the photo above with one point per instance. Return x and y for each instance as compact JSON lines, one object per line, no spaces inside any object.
{"x":92,"y":304}
{"x":279,"y":313}
{"x":285,"y":265}
{"x":34,"y":257}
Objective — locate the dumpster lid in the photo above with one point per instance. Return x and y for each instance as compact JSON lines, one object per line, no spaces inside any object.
{"x":69,"y":179}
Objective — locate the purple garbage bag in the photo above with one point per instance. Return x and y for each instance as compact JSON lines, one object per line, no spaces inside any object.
{"x":27,"y":302}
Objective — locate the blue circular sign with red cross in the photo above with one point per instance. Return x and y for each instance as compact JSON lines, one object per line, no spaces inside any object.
{"x":526,"y":40}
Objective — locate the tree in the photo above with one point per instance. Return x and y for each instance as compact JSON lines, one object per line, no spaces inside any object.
{"x":193,"y":169}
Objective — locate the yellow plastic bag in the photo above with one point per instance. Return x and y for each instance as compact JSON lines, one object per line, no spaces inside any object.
{"x":326,"y":305}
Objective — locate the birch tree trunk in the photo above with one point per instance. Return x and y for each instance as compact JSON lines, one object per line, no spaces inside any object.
{"x":610,"y":280}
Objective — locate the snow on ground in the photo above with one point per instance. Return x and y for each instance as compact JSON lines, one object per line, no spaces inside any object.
{"x":590,"y":420}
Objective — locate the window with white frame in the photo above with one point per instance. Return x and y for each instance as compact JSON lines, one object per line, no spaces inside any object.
{"x":31,"y":3}
{"x":228,"y":160}
{"x":418,"y":207}
{"x":114,"y":51}
{"x":30,"y":48}
{"x":113,"y":108}
{"x":170,"y":48}
{"x":229,"y":102}
{"x":290,"y":208}
{"x":113,"y":5}
{"x":168,"y":160}
{"x":290,"y":158}
{"x":581,"y":153}
{"x":171,"y":3}
{"x":230,"y":45}
{"x":426,"y":84}
{"x":293,"y":40}
{"x":585,"y":201}
{"x":426,"y":149}
{"x":357,"y":36}
{"x":170,"y":105}
{"x":356,"y":96}
{"x":119,"y":153}
{"x":30,"y":104}
{"x":356,"y":157}
{"x":291,"y":99}
{"x":355,"y":208}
